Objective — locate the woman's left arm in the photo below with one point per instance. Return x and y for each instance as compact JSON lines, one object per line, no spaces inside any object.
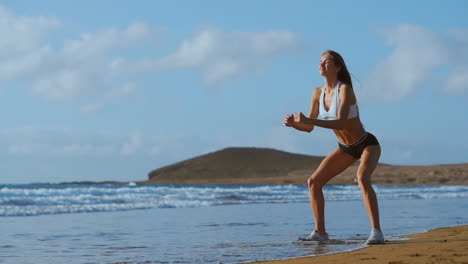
{"x":331,"y":124}
{"x":346,"y":96}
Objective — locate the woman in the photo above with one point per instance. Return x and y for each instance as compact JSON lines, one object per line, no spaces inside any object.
{"x":334,"y":106}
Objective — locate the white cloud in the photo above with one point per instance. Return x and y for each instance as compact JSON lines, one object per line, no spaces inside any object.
{"x":58,"y":142}
{"x":399,"y":156}
{"x":87,"y":65}
{"x":100,"y":64}
{"x":26,"y":148}
{"x":87,"y":149}
{"x":69,"y":150}
{"x":90,"y":108}
{"x":284,"y":138}
{"x":155,"y":151}
{"x":417,"y":54}
{"x":91,"y":46}
{"x":64,"y":142}
{"x":133,"y":145}
{"x":123,"y":90}
{"x":220,"y":55}
{"x":457,"y":79}
{"x":457,"y":82}
{"x":22,"y":34}
{"x":21,"y":46}
{"x":90,"y":64}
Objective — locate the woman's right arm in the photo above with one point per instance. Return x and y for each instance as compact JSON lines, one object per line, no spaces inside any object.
{"x":313,"y":113}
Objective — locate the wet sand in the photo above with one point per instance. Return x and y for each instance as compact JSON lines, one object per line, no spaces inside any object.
{"x":442,"y":245}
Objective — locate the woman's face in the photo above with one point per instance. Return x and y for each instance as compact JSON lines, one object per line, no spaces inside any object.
{"x":327,"y":66}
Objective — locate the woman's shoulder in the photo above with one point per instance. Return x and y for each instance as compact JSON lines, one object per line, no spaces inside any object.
{"x":345,"y":86}
{"x":317,"y":91}
{"x":346,"y":89}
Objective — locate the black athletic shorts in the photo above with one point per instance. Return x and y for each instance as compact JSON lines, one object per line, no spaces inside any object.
{"x":356,"y":149}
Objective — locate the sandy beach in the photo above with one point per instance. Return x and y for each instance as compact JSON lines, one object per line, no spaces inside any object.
{"x":442,"y":245}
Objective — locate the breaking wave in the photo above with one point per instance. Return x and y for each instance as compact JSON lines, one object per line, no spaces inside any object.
{"x":40,"y":199}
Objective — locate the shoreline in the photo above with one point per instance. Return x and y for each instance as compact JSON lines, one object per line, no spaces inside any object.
{"x":440,"y":245}
{"x":221,"y":182}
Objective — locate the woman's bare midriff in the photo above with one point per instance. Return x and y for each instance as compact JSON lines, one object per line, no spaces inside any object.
{"x":353,"y":132}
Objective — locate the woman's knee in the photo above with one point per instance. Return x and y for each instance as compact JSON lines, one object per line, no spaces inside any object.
{"x":313,"y":183}
{"x":364,"y":182}
{"x":310,"y":182}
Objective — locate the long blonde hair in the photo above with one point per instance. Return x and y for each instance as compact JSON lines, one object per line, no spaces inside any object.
{"x":343,"y":74}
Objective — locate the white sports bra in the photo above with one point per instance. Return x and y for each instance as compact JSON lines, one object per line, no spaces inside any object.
{"x":332,"y":113}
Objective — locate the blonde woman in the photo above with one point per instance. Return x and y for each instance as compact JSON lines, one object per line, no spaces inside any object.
{"x":334,"y":106}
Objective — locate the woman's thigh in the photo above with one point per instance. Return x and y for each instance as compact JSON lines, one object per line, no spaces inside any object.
{"x":369,"y":161}
{"x":332,"y":165}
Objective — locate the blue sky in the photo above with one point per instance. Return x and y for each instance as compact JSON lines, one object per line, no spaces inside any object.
{"x":109,"y":90}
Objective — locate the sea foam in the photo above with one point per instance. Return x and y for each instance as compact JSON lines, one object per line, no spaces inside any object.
{"x":39,"y":199}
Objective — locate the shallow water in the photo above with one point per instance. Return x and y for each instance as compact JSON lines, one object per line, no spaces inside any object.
{"x":256,"y":226}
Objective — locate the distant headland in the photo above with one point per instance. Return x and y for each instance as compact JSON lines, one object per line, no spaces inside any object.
{"x":253,"y":166}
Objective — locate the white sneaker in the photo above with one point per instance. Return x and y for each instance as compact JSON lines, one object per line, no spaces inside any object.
{"x":315,"y":236}
{"x":376,"y":237}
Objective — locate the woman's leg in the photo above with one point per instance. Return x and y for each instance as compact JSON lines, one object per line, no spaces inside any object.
{"x":369,"y":160}
{"x":332,"y":165}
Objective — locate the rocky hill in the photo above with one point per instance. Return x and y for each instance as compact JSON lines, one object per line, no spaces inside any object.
{"x":269,"y":166}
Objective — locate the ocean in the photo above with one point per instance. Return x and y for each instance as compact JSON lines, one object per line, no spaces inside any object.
{"x":99,"y":223}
